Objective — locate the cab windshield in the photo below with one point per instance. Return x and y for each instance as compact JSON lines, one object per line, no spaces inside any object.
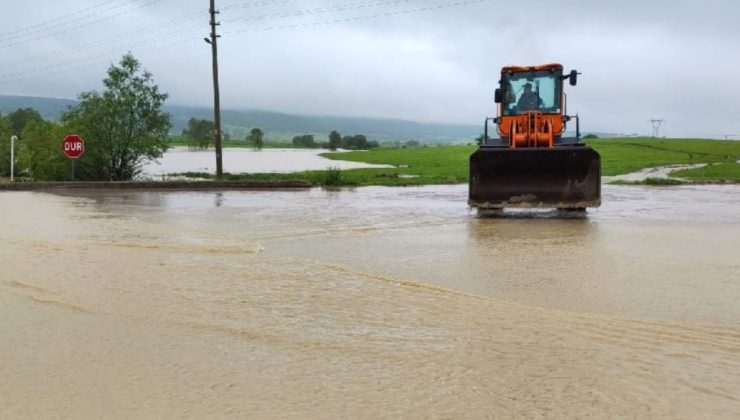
{"x":532,"y":91}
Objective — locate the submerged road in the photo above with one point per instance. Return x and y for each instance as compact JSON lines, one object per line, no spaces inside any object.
{"x":648,"y":253}
{"x":375,"y":302}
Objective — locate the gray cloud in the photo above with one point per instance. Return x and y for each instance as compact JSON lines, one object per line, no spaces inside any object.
{"x":674,"y":60}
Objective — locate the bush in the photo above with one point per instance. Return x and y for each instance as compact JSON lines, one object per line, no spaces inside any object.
{"x":661,"y":181}
{"x":333,"y":177}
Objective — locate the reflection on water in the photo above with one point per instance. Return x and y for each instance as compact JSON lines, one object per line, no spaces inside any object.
{"x":218,"y":200}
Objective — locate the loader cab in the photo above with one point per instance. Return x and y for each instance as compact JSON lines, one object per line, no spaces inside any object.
{"x":531,"y":107}
{"x":518,"y":87}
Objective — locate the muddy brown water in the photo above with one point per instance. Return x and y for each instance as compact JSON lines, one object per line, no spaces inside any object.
{"x":373,"y":302}
{"x":649,"y":253}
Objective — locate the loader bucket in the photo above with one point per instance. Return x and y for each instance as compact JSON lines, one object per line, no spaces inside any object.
{"x":565,"y":177}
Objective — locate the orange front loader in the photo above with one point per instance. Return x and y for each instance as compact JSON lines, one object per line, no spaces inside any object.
{"x":531,"y":163}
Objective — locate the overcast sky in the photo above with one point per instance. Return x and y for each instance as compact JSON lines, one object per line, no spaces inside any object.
{"x":432,"y":61}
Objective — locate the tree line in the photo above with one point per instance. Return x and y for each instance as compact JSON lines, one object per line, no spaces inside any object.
{"x":199,"y":135}
{"x":336,"y":141}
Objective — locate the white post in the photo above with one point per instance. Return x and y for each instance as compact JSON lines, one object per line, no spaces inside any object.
{"x":12,"y":155}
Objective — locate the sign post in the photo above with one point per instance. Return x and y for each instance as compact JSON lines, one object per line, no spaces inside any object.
{"x":12,"y":156}
{"x":73,"y":147}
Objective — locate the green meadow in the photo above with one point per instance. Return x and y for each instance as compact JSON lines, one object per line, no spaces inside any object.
{"x":625,"y":155}
{"x":715,"y":172}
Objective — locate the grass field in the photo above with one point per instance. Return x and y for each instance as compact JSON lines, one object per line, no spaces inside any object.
{"x":717,"y":172}
{"x":449,"y":164}
{"x":621,"y":156}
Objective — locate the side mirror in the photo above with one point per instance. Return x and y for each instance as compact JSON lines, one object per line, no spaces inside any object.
{"x":497,"y":96}
{"x":573,"y":77}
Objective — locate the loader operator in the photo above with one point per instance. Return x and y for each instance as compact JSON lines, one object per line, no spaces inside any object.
{"x":529,"y":100}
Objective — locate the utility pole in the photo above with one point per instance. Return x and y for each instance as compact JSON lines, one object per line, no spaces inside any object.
{"x":216,"y":96}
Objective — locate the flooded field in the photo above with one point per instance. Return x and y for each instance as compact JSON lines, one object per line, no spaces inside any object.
{"x":241,"y":160}
{"x":374,"y":302}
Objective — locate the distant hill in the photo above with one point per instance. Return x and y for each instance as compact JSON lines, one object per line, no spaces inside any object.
{"x":49,"y":108}
{"x":279,"y":125}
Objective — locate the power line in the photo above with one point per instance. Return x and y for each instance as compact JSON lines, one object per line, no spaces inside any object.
{"x":73,"y":25}
{"x":361,"y":18}
{"x":156,"y":45}
{"x":75,"y":13}
{"x":89,"y":56}
{"x":96,"y":61}
{"x":92,"y":59}
{"x":88,"y":47}
{"x":319,"y":10}
{"x":258,"y":4}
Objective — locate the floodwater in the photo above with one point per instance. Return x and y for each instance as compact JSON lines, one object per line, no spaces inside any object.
{"x":240,"y":160}
{"x":654,"y":172}
{"x":373,"y":302}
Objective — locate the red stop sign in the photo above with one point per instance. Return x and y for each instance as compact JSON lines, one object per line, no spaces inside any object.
{"x":73,"y":146}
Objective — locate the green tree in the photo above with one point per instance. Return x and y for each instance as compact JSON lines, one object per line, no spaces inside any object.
{"x":5,"y":133}
{"x":256,"y":137}
{"x":122,"y":127}
{"x":335,"y":140}
{"x":358,"y":142}
{"x":42,"y":154}
{"x":199,"y":133}
{"x":305,"y":140}
{"x":412,"y":143}
{"x":21,"y":117}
